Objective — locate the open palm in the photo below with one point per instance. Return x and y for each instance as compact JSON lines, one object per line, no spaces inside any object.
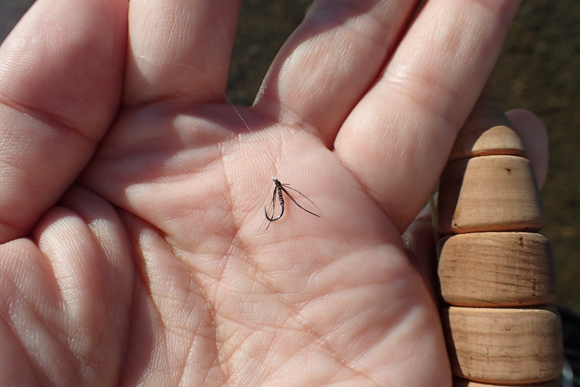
{"x":132,"y":208}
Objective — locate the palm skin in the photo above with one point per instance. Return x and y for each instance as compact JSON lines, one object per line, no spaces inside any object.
{"x":135,"y":246}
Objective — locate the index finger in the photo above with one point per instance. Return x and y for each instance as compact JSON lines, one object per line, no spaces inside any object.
{"x":398,"y":138}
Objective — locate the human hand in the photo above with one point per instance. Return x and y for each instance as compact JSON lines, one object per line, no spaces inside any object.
{"x":132,"y":205}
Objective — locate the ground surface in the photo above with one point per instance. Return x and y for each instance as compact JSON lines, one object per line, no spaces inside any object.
{"x":539,"y":70}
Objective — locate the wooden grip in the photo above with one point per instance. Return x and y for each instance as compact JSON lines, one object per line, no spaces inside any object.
{"x":502,"y":345}
{"x":486,"y":132}
{"x":490,"y":269}
{"x":458,"y":382}
{"x":496,"y":272}
{"x":491,"y":193}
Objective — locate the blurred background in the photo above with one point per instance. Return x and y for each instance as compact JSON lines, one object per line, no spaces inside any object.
{"x":539,"y":70}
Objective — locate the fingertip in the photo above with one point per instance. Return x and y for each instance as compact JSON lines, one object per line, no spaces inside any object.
{"x":534,"y":136}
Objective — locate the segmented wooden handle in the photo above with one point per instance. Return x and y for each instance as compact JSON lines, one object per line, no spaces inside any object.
{"x":496,"y":272}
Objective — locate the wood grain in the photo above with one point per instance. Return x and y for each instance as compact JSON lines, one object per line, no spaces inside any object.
{"x":490,"y":193}
{"x":497,"y":345}
{"x":497,"y":269}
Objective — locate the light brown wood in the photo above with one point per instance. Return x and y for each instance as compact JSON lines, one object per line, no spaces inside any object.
{"x":489,"y":193}
{"x":496,"y":269}
{"x":458,"y":382}
{"x":501,"y":345}
{"x":493,"y":264}
{"x":487,"y":131}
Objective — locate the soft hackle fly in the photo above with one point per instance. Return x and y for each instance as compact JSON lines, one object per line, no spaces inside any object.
{"x":281,"y":189}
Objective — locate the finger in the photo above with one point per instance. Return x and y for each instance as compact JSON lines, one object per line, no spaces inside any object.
{"x":534,"y":136}
{"x":397,"y":139}
{"x":56,"y":101}
{"x":179,"y":49}
{"x":92,"y":268}
{"x":331,"y":60}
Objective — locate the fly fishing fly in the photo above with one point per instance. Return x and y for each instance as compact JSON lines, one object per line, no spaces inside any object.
{"x":281,"y":189}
